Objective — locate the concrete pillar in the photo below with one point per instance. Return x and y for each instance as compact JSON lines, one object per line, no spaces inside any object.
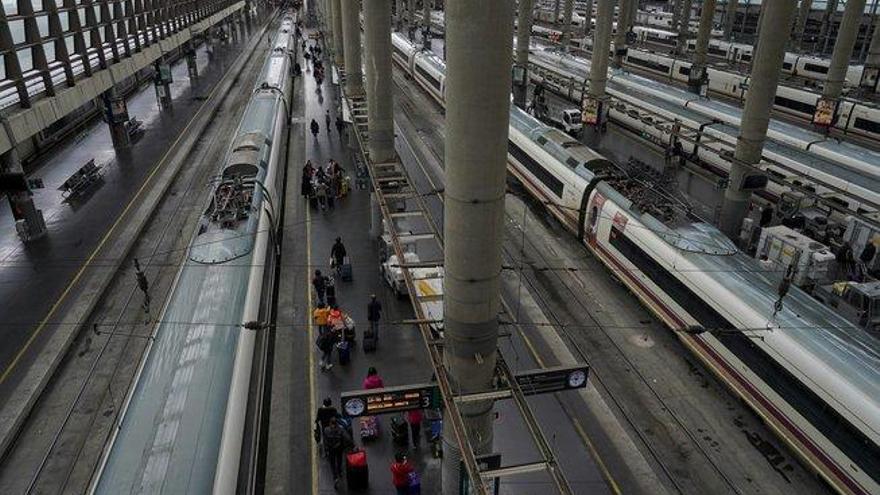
{"x":116,"y":115}
{"x":698,"y":78}
{"x":684,"y":28}
{"x":620,"y":44}
{"x":377,"y":52}
{"x":521,"y":66}
{"x":730,"y":18}
{"x":338,"y":44}
{"x":426,"y":23}
{"x":21,"y":202}
{"x":827,"y":22}
{"x":398,"y":14}
{"x":162,"y":82}
{"x":797,"y":31}
{"x":375,"y":218}
{"x":766,"y":69}
{"x":556,"y":12}
{"x":843,"y":49}
{"x":676,"y":15}
{"x":192,"y":66}
{"x":351,"y":37}
{"x":566,"y":24}
{"x":480,"y":38}
{"x":871,"y":73}
{"x":601,"y":45}
{"x":589,"y":18}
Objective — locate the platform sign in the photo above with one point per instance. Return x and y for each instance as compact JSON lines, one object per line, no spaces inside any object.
{"x":391,"y":399}
{"x":825,"y":110}
{"x":484,"y":463}
{"x":590,"y":110}
{"x":548,"y":380}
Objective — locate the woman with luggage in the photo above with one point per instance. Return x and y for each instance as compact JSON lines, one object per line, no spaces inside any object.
{"x":401,"y":474}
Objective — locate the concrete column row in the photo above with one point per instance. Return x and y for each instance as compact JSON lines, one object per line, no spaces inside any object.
{"x":479,"y":35}
{"x":766,"y":69}
{"x":351,"y":37}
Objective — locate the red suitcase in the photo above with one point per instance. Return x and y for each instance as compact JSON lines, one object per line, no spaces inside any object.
{"x":357,"y":473}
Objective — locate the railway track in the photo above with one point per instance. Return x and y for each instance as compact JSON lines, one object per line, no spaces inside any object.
{"x":61,"y":443}
{"x":681,"y":439}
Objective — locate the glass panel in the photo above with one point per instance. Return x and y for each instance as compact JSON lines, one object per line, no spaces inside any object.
{"x":69,"y":42}
{"x":25,"y":59}
{"x":49,"y":48}
{"x":2,"y":68}
{"x":17,"y":30}
{"x":43,"y":25}
{"x":10,"y":6}
{"x":64,"y":19}
{"x":38,"y":5}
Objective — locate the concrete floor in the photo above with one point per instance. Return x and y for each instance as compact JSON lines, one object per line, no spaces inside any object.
{"x":33,"y":277}
{"x":695,"y":433}
{"x":59,"y":446}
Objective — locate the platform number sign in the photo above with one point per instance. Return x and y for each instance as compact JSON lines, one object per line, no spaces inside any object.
{"x":390,"y":400}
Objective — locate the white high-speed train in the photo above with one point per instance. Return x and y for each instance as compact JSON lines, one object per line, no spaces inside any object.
{"x":841,"y":173}
{"x":853,"y":116}
{"x":813,"y":377}
{"x":183,"y":424}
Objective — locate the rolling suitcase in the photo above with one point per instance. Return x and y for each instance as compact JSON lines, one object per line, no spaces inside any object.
{"x":399,"y":432}
{"x":369,"y":427}
{"x":344,"y":350}
{"x":370,"y":340}
{"x":357,"y":472}
{"x":345,"y":270}
{"x":415,"y":483}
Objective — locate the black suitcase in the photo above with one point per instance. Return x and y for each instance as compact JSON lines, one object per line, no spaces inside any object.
{"x":313,"y":202}
{"x":344,"y":350}
{"x":399,"y":432}
{"x":370,"y":340}
{"x":345,"y":270}
{"x":357,"y":471}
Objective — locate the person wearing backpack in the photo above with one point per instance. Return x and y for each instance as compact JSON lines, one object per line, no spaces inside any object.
{"x":336,"y":440}
{"x":325,"y":343}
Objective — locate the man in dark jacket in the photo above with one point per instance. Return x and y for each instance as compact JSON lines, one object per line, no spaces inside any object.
{"x":319,"y":282}
{"x":336,"y":439}
{"x":374,"y":314}
{"x":337,"y":252}
{"x":322,"y":418}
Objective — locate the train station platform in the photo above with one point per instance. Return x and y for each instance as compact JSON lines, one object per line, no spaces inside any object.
{"x":299,"y":386}
{"x":46,"y":281}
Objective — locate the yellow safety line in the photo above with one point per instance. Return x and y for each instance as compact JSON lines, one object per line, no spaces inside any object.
{"x":577,"y":425}
{"x":311,"y":338}
{"x":94,"y":253}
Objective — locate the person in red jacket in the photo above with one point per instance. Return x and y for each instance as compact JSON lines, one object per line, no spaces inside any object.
{"x":400,"y":470}
{"x":373,"y":380}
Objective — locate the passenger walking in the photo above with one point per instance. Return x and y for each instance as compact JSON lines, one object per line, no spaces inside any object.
{"x":321,"y":193}
{"x":321,"y":314}
{"x":327,"y":120}
{"x":315,"y":128}
{"x":340,"y":125}
{"x":326,"y":342}
{"x":374,"y":314}
{"x":373,"y":380}
{"x":400,"y":473}
{"x":414,"y":418}
{"x":338,"y":254}
{"x":325,"y":413}
{"x":336,"y":439}
{"x":319,"y":282}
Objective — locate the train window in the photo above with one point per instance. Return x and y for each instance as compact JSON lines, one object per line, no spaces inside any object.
{"x":571,"y":162}
{"x":434,"y":82}
{"x":685,"y":71}
{"x":536,"y":169}
{"x":867,"y":125}
{"x":816,"y":68}
{"x":794,"y":105}
{"x":400,"y":53}
{"x":648,"y":64}
{"x":746,"y":57}
{"x":713,"y":50}
{"x":835,"y":199}
{"x":786,"y":65}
